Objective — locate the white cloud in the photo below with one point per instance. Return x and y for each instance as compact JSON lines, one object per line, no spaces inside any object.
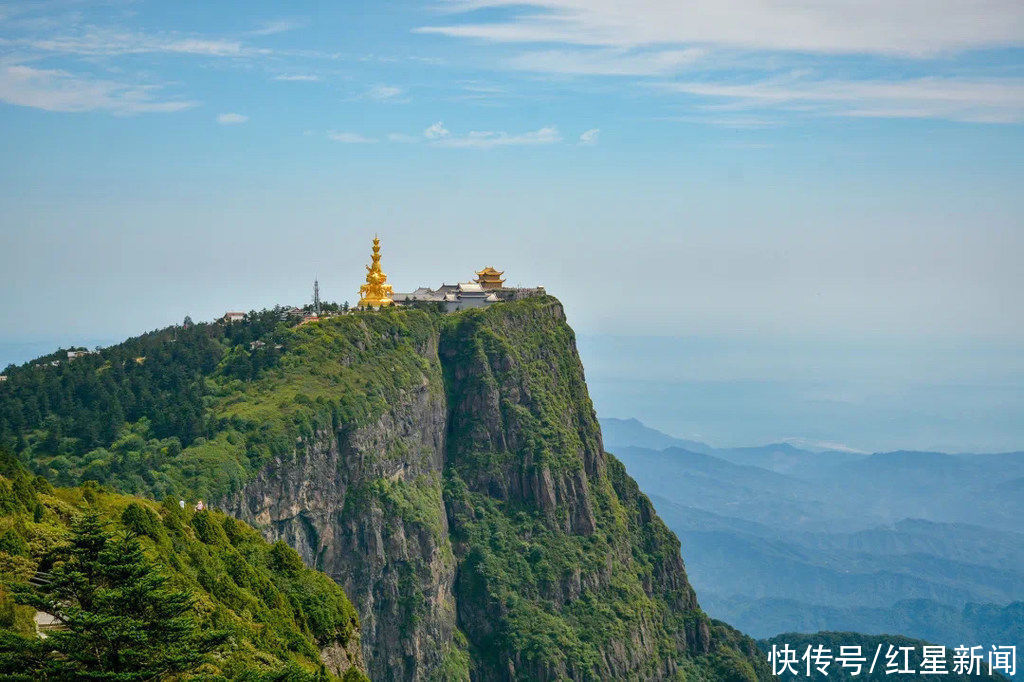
{"x":95,"y":41}
{"x":231,"y":119}
{"x":907,"y":27}
{"x":956,"y":99}
{"x":439,"y":136}
{"x":384,"y":92}
{"x":483,"y":88}
{"x":589,"y":137}
{"x":436,"y":131}
{"x":270,"y":28}
{"x":483,"y":139}
{"x":56,"y":90}
{"x":349,"y":138}
{"x":761,"y":38}
{"x":608,"y":62}
{"x":486,"y":139}
{"x":727,"y":119}
{"x":297,"y":78}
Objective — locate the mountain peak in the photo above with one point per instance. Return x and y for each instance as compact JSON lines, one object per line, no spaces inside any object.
{"x":447,"y":470}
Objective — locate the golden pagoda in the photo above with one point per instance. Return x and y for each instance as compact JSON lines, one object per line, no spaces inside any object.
{"x":489,"y":278}
{"x":376,"y":293}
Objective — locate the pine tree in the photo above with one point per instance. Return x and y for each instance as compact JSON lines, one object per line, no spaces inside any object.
{"x":120,"y":618}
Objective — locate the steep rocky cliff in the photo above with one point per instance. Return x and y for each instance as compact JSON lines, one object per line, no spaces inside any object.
{"x":360,"y":497}
{"x":453,"y":480}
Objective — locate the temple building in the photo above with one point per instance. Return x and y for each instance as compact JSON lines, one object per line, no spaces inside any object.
{"x":488,"y":287}
{"x":452,"y":296}
{"x":489,"y":278}
{"x":376,"y":293}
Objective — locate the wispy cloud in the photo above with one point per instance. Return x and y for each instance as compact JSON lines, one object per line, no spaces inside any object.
{"x":726,"y":117}
{"x":297,"y":78}
{"x":589,"y":137}
{"x":910,"y":27}
{"x":486,"y":139}
{"x":956,"y":99}
{"x":743,"y":52}
{"x":96,"y":41}
{"x":609,"y":62}
{"x":402,"y":137}
{"x":269,"y":28}
{"x":349,"y":138}
{"x":231,"y":119}
{"x":385,"y":93}
{"x":483,"y":88}
{"x":57,"y":90}
{"x":438,"y":135}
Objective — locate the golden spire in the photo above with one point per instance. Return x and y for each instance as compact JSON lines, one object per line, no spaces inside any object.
{"x":376,"y":292}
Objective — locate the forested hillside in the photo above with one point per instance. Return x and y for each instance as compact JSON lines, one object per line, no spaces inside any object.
{"x":124,"y":414}
{"x":142,"y":586}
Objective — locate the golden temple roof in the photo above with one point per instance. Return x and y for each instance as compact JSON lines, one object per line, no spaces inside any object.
{"x":489,"y":278}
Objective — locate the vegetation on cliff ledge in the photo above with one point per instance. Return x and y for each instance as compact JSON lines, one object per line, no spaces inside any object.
{"x":565,"y":570}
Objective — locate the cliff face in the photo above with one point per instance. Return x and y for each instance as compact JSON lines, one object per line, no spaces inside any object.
{"x":476,"y":522}
{"x":363,"y":504}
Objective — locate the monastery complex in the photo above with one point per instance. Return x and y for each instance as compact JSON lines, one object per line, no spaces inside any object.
{"x":488,"y":287}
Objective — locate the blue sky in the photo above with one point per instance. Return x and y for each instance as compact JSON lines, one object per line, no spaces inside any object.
{"x":841,"y":172}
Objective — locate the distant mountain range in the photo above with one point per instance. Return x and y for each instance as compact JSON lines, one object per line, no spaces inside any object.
{"x":779,"y":538}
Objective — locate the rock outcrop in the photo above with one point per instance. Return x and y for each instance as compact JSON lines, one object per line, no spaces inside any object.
{"x":475,"y":520}
{"x":363,"y":504}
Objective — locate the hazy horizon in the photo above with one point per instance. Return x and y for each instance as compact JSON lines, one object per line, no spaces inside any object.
{"x":818,"y":208}
{"x":745,"y":391}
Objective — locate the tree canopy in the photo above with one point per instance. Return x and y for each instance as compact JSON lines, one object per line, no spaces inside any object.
{"x":117,"y":616}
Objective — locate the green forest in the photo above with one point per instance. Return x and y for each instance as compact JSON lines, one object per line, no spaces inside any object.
{"x":192,"y":410}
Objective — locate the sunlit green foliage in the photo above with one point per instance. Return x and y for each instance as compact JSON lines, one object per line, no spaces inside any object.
{"x":120,"y":619}
{"x":275,"y":613}
{"x":519,"y":345}
{"x":551,"y":598}
{"x":209,"y":404}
